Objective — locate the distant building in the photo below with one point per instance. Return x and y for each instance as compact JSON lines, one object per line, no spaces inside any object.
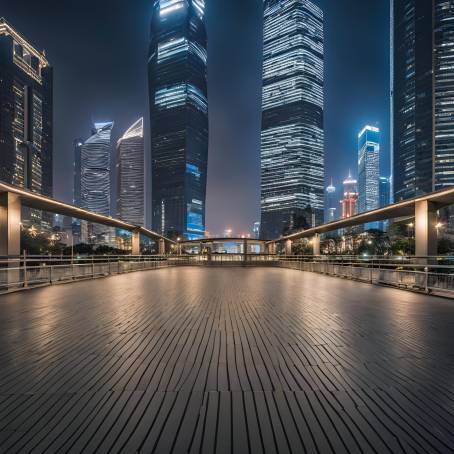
{"x":130,"y":175}
{"x":422,"y":96}
{"x":385,"y":191}
{"x":368,"y":169}
{"x":25,"y":113}
{"x":256,"y":230}
{"x":350,"y":198}
{"x":292,"y":138}
{"x":177,"y":75}
{"x":331,"y":202}
{"x":77,"y":147}
{"x":95,"y":169}
{"x":385,"y":199}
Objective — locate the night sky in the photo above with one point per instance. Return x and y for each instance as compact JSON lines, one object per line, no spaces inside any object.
{"x":99,"y":52}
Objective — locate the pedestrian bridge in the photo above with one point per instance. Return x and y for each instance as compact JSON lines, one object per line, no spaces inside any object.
{"x":225,"y":359}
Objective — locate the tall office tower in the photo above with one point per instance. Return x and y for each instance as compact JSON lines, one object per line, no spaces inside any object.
{"x":130,"y":175}
{"x":77,"y":146}
{"x":256,"y":230}
{"x":350,"y":198}
{"x":331,"y":202}
{"x":292,"y":142}
{"x":368,"y":169}
{"x":95,"y":170}
{"x":385,"y":191}
{"x":25,"y":113}
{"x":385,"y":199}
{"x":422,"y":96}
{"x":177,"y":74}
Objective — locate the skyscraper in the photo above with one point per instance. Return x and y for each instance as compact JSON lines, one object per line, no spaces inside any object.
{"x":292,"y":141}
{"x":331,"y":202}
{"x":177,"y":72}
{"x":350,"y":198}
{"x":95,"y":169}
{"x":25,"y":113}
{"x":130,"y":175}
{"x":422,"y":96}
{"x":368,"y":169}
{"x":385,"y":199}
{"x":77,"y":146}
{"x":385,"y":192}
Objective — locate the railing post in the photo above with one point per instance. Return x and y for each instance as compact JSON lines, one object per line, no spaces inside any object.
{"x":92,"y":266}
{"x":25,"y":269}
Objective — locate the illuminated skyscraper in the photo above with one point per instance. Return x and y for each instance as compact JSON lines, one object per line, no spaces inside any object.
{"x":76,"y":171}
{"x":95,"y":169}
{"x":256,"y":230}
{"x":331,"y":202}
{"x":25,"y":114}
{"x":384,"y":192}
{"x":177,"y":71}
{"x":422,"y":91}
{"x":130,"y":175}
{"x":292,"y":141}
{"x":368,"y":169}
{"x":350,"y":198}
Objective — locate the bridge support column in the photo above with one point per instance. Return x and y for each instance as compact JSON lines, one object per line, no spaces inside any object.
{"x":271,"y":248}
{"x":135,"y":243}
{"x":288,"y":247}
{"x":425,"y":230}
{"x":245,"y":250}
{"x":10,"y":218}
{"x":162,"y":247}
{"x":316,"y":244}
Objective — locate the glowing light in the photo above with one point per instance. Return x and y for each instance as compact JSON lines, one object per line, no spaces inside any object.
{"x":169,"y":6}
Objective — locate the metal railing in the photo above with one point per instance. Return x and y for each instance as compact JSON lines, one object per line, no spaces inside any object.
{"x":429,"y":274}
{"x":30,"y":271}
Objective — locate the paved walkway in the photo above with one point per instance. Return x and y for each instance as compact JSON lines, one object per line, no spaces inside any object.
{"x":226,"y":361}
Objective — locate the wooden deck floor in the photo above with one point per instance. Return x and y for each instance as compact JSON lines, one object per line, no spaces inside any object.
{"x":225,"y":361}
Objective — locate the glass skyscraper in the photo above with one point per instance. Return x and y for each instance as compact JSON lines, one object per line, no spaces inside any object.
{"x":368,"y":169}
{"x":422,"y":90}
{"x":331,"y":203}
{"x":77,"y":171}
{"x":95,"y":169}
{"x":130,"y":175}
{"x":177,"y":70}
{"x":292,"y":140}
{"x":25,"y":114}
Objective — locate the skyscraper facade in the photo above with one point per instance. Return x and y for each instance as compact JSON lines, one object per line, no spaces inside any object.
{"x":350,"y":199}
{"x":331,"y":202}
{"x":130,"y":175}
{"x":77,"y":147}
{"x":422,"y":96}
{"x":25,"y":113}
{"x":177,"y":72}
{"x":368,"y":169}
{"x":385,"y":192}
{"x":95,"y":169}
{"x":292,"y":139}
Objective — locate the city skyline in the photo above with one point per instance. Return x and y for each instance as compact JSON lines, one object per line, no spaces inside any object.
{"x":234,"y":158}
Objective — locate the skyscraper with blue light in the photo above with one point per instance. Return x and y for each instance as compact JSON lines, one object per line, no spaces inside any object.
{"x":331,"y":202}
{"x":177,"y":74}
{"x":292,"y":139}
{"x":95,"y":169}
{"x":130,"y":175}
{"x":422,"y":97}
{"x":368,"y":169}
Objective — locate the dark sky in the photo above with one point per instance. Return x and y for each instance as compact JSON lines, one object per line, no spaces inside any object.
{"x":99,"y":51}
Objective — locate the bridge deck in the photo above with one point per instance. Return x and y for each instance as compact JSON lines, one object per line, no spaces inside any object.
{"x":225,"y":360}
